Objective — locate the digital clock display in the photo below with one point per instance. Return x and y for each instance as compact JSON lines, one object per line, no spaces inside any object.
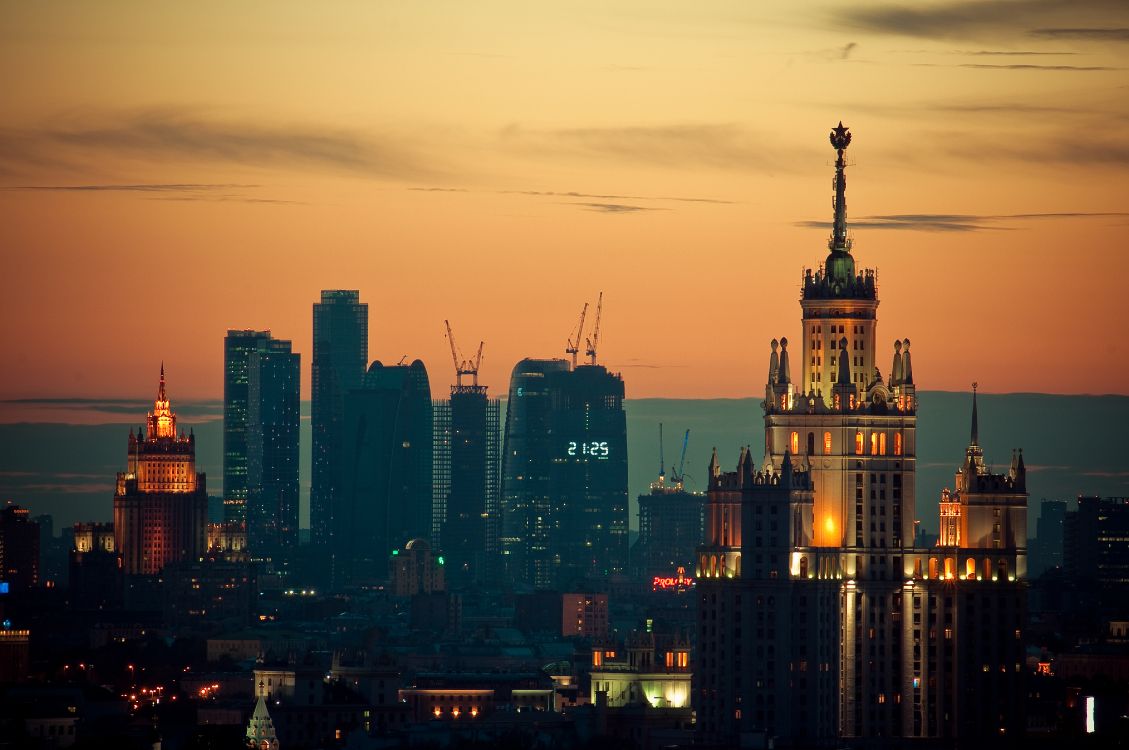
{"x":593,"y":448}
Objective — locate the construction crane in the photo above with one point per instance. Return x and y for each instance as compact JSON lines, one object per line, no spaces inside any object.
{"x":679,"y":477}
{"x":464,"y":366}
{"x":590,"y":349}
{"x":574,"y":342}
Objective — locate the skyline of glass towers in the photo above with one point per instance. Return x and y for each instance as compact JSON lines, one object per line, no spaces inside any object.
{"x":340,"y":328}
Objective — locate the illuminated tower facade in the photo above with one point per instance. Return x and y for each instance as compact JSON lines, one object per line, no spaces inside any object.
{"x":854,"y":433}
{"x":964,"y":608}
{"x":920,"y":643}
{"x":161,"y":503}
{"x":339,"y":360}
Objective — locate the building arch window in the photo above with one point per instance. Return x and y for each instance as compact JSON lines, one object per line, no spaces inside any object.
{"x":882,"y":443}
{"x":827,"y":443}
{"x":933,"y":567}
{"x":987,"y":569}
{"x":804,"y":567}
{"x":970,"y":568}
{"x":897,"y":443}
{"x":795,"y":443}
{"x":1002,"y":570}
{"x":950,"y":568}
{"x":917,"y":568}
{"x":811,"y":443}
{"x":874,"y":443}
{"x":858,"y":443}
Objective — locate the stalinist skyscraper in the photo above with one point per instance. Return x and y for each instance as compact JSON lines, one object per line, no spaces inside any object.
{"x":818,"y":617}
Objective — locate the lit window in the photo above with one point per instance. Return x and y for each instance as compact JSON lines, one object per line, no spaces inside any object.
{"x":827,"y":443}
{"x":795,"y":442}
{"x":882,"y":443}
{"x":858,"y":443}
{"x":897,"y":443}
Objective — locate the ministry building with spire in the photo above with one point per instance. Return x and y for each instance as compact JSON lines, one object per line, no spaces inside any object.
{"x":819,"y":620}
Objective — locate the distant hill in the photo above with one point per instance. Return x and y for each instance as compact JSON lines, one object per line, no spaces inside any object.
{"x":1070,"y":443}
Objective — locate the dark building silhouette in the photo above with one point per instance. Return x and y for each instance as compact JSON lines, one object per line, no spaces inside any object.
{"x":339,"y":360}
{"x":385,"y":485}
{"x":273,"y":416}
{"x":467,"y":481}
{"x":564,"y":482}
{"x":237,"y":348}
{"x":671,"y":524}
{"x":1045,"y":550}
{"x":161,"y":503}
{"x":1096,"y":550}
{"x":95,"y":568}
{"x":19,"y":548}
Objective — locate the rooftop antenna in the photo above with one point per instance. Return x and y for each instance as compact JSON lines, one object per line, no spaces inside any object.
{"x":662,"y":459}
{"x":574,"y":341}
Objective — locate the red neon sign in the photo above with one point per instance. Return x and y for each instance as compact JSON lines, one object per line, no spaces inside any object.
{"x":679,"y":581}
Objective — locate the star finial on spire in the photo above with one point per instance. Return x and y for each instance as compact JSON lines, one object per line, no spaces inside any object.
{"x":840,"y":137}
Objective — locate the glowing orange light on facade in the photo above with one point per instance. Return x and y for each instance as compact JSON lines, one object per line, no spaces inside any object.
{"x":795,"y":443}
{"x":437,"y":712}
{"x":897,"y":443}
{"x":827,"y":443}
{"x":858,"y":443}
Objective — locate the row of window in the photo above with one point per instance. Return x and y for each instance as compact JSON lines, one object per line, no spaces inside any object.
{"x":878,"y":443}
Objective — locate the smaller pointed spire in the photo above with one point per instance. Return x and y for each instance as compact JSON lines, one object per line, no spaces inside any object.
{"x":975,"y":426}
{"x":907,"y":365}
{"x":786,"y":467}
{"x":773,"y":362}
{"x":714,"y":468}
{"x":747,"y":474}
{"x":784,"y":376}
{"x":896,"y":370}
{"x":161,"y":387}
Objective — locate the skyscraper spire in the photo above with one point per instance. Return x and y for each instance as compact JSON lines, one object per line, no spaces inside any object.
{"x":975,"y":428}
{"x":161,"y":387}
{"x":840,"y":139}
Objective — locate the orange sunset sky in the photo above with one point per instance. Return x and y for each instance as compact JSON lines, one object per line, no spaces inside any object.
{"x":168,"y":171}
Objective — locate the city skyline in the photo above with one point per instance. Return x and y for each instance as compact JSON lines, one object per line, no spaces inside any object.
{"x":550,"y":155}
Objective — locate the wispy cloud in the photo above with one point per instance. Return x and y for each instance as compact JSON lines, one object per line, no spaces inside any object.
{"x":180,"y":135}
{"x":711,"y":145}
{"x":616,"y":208}
{"x":577,"y":194}
{"x":1085,"y":35}
{"x":955,"y":222}
{"x":975,"y":18}
{"x":1031,"y":66}
{"x":140,"y":188}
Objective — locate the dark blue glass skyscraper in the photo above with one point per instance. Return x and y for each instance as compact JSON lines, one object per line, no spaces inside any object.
{"x":273,"y":384}
{"x":384,"y":490}
{"x":339,"y":359}
{"x":237,"y":348}
{"x":564,"y":486}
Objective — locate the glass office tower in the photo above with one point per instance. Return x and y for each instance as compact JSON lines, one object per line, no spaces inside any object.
{"x":564,"y":486}
{"x":339,"y":359}
{"x":237,"y":348}
{"x":385,"y":462}
{"x":273,"y":393}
